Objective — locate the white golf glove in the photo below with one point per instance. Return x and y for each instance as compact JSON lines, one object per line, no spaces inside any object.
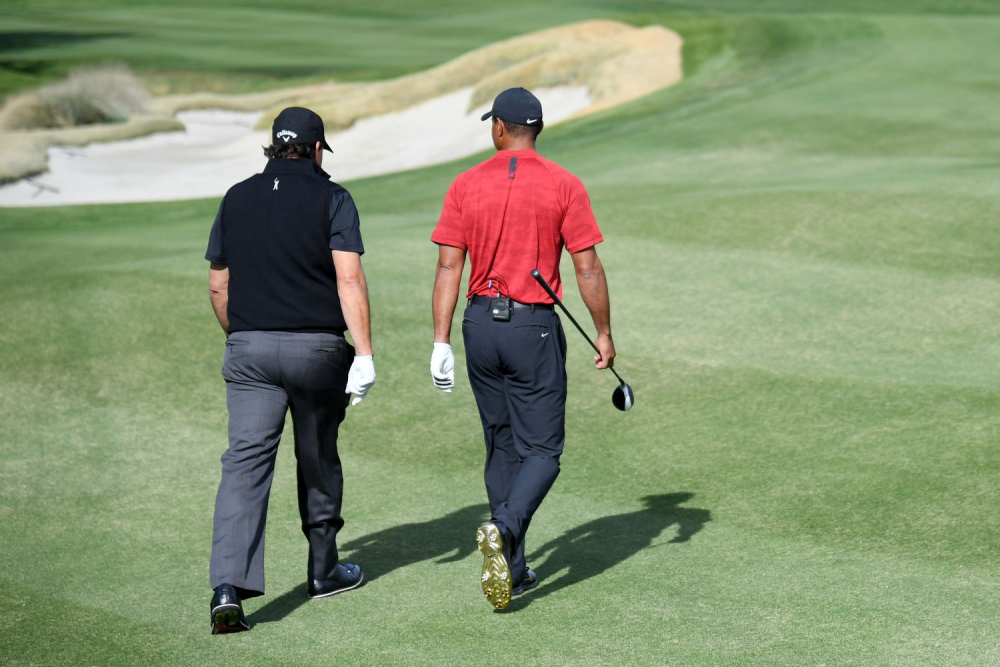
{"x":443,"y":367}
{"x":361,"y":377}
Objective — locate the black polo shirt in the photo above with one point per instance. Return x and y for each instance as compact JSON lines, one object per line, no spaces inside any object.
{"x":275,"y":232}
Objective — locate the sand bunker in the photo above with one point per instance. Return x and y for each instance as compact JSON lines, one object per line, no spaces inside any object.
{"x":614,"y":62}
{"x":219,"y":148}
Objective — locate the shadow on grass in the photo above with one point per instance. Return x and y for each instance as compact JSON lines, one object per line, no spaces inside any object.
{"x":596,"y":546}
{"x":27,"y":40}
{"x":279,"y":607}
{"x":447,"y":539}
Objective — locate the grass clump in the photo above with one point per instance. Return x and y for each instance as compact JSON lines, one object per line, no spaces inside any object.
{"x":91,"y":96}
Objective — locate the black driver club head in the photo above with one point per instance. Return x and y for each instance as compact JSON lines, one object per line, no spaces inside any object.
{"x":623,"y":398}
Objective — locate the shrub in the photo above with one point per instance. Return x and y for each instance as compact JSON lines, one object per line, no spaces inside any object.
{"x":108,"y":94}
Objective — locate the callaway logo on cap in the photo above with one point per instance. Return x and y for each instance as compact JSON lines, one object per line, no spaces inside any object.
{"x":516,"y":105}
{"x":297,"y":125}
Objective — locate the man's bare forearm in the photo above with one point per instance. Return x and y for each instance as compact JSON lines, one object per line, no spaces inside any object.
{"x":446,"y":286}
{"x":220,"y":304}
{"x":447,"y":282}
{"x":357,"y":311}
{"x":594,"y":291}
{"x":218,"y":292}
{"x":352,"y":286}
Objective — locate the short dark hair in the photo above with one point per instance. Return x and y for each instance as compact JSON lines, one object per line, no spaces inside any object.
{"x":290,"y":151}
{"x":517,"y":130}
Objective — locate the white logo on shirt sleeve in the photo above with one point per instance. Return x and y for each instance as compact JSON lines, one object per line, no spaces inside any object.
{"x":275,"y":184}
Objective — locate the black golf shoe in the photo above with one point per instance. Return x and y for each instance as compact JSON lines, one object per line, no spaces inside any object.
{"x":345,"y":577}
{"x":227,"y":611}
{"x":528,"y":581}
{"x":494,"y":541}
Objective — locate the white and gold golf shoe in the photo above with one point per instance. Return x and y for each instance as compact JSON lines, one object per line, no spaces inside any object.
{"x":496,"y":565}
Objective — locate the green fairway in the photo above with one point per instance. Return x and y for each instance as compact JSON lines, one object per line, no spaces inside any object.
{"x":242,"y":45}
{"x":804,"y":264}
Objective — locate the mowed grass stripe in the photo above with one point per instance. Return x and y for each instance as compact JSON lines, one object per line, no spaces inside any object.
{"x":772,"y":596}
{"x":830,"y":316}
{"x":806,"y":448}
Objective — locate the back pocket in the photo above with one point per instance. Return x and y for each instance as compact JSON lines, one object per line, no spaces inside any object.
{"x":539,"y":331}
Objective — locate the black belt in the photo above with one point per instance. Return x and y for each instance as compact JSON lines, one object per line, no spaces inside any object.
{"x":481,"y":300}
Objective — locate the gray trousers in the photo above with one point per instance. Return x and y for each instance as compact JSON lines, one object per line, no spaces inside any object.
{"x":266,"y":373}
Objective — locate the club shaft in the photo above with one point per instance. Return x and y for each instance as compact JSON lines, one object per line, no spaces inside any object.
{"x":545,"y":285}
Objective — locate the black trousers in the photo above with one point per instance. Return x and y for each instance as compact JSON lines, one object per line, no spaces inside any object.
{"x":517,"y":371}
{"x":267,"y":373}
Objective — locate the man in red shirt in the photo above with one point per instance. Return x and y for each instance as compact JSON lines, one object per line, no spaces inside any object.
{"x":513,"y":213}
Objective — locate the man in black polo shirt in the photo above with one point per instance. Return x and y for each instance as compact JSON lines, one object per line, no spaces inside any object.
{"x":286,"y":282}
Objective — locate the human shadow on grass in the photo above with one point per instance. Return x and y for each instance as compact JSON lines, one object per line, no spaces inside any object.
{"x":447,"y":539}
{"x":281,"y":606}
{"x":596,"y":546}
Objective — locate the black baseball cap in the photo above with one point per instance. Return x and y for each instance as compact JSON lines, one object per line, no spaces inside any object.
{"x":516,"y":105}
{"x":297,"y":125}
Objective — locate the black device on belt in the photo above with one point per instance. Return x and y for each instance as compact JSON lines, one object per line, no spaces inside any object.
{"x":500,"y":307}
{"x":501,"y":311}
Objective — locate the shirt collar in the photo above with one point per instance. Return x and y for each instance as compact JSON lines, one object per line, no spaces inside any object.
{"x":294,"y":166}
{"x":524,"y":152}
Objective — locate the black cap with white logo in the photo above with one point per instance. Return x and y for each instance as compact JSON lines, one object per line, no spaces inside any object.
{"x":516,"y":105}
{"x":297,"y":125}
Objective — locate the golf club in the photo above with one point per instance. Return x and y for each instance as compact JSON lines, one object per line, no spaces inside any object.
{"x":622,"y":397}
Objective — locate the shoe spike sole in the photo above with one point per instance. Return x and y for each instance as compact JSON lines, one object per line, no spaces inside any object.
{"x":496,"y":570}
{"x":226,"y":620}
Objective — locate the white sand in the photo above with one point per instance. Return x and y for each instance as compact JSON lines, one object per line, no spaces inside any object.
{"x":220,"y":148}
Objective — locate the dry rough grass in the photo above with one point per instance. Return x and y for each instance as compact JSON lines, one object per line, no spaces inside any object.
{"x":91,"y":105}
{"x":109,"y":94}
{"x":616,"y":62}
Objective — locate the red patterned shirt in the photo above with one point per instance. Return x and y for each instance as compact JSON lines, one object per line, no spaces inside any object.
{"x":510,"y":226}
